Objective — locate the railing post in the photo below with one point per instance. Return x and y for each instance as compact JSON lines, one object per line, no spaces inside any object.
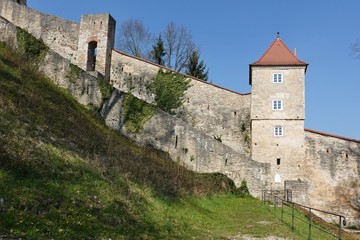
{"x":292,"y":217}
{"x":309,"y":224}
{"x":339,"y":237}
{"x":282,"y":210}
{"x":275,"y":202}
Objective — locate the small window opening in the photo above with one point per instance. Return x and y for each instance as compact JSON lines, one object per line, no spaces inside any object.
{"x":94,"y":26}
{"x":278,"y":160}
{"x":277,"y":105}
{"x":278,"y":131}
{"x":176,"y":141}
{"x":234,"y":113}
{"x":208,"y":107}
{"x":91,"y":60}
{"x":226,"y":161}
{"x":327,"y":150}
{"x":100,"y":25}
{"x":346,"y":155}
{"x":277,"y":78}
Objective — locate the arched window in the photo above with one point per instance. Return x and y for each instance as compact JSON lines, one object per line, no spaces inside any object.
{"x":91,"y":58}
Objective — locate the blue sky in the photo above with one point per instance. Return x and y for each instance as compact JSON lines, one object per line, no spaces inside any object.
{"x":233,"y":33}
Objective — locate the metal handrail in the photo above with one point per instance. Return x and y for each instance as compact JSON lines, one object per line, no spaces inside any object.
{"x":274,"y":197}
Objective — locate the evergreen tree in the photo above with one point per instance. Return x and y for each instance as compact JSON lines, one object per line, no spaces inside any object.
{"x":158,"y":52}
{"x":196,"y":68}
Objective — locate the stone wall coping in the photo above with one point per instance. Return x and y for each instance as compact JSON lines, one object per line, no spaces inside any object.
{"x":185,"y":75}
{"x":332,"y":135}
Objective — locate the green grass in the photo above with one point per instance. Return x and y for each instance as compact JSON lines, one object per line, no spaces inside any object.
{"x":64,"y":175}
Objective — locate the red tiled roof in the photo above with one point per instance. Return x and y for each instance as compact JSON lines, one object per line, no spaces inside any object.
{"x":278,"y":54}
{"x":332,"y":135}
{"x":171,"y":70}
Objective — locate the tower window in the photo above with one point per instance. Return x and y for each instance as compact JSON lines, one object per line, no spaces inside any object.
{"x":278,"y":161}
{"x":277,"y":105}
{"x":277,"y":78}
{"x":278,"y":131}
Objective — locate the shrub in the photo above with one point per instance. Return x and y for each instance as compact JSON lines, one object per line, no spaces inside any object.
{"x":169,"y":89}
{"x":243,"y":190}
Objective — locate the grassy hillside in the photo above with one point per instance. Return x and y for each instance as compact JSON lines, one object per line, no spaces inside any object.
{"x":64,"y":175}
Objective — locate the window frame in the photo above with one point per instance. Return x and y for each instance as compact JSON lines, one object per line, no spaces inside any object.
{"x":275,"y":105}
{"x":278,"y":131}
{"x":275,"y":78}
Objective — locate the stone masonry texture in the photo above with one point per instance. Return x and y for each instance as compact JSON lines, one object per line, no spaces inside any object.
{"x":216,"y":130}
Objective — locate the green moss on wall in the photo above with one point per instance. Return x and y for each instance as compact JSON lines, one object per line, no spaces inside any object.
{"x":75,"y":72}
{"x":105,"y":89}
{"x":136,"y":113}
{"x":31,"y":48}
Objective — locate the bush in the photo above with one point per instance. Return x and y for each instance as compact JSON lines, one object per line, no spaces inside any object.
{"x":169,"y":89}
{"x":243,"y":190}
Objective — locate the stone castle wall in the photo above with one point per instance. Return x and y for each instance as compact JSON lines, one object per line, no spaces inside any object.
{"x":333,"y":170}
{"x":331,"y":164}
{"x":84,"y":87}
{"x":218,"y":112}
{"x":59,"y":34}
{"x":189,"y":146}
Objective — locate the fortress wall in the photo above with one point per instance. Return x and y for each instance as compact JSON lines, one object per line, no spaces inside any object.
{"x":333,"y":168}
{"x":8,"y":33}
{"x":190,"y":147}
{"x":218,"y":112}
{"x":59,"y":34}
{"x":84,"y":87}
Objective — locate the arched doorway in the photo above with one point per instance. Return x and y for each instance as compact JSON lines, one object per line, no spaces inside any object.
{"x":91,"y":58}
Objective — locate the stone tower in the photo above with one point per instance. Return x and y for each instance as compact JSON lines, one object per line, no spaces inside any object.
{"x":96,"y":42}
{"x":278,"y":113}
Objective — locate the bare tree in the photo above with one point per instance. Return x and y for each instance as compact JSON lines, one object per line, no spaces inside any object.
{"x":178,"y":46}
{"x":134,"y":38}
{"x":355,"y":47}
